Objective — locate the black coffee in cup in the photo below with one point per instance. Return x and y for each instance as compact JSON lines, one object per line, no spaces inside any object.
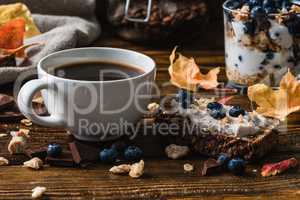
{"x":97,"y":71}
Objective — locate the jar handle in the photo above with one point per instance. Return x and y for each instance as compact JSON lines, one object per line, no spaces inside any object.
{"x":127,"y":6}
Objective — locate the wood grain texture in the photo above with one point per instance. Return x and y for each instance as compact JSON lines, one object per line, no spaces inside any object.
{"x":163,"y":179}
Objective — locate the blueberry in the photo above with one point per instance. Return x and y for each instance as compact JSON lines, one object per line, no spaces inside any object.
{"x":236,"y":111}
{"x":119,"y":146}
{"x":234,"y":4}
{"x":277,"y":66}
{"x":218,"y":114}
{"x":270,"y":10}
{"x":286,"y":4}
{"x":253,"y":3}
{"x":258,"y":12}
{"x":181,"y":94}
{"x":214,"y":106}
{"x":294,"y":26}
{"x":270,"y":55}
{"x":108,"y":155}
{"x":236,"y":166}
{"x":278,"y":4}
{"x":54,"y":150}
{"x":133,"y":153}
{"x":184,"y":98}
{"x":223,"y":159}
{"x":185,"y":104}
{"x":268,"y":4}
{"x":249,"y":27}
{"x":240,"y":58}
{"x":261,"y":68}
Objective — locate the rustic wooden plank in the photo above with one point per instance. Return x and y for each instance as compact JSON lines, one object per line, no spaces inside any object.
{"x":164,"y":179}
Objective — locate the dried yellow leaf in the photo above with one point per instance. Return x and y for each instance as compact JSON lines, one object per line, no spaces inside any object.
{"x":186,"y":74}
{"x":277,"y":103}
{"x":19,"y":10}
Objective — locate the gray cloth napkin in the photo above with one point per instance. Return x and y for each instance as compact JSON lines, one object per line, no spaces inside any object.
{"x":64,"y":24}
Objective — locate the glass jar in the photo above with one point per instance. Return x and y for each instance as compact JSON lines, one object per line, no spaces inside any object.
{"x":157,"y":20}
{"x":261,"y":41}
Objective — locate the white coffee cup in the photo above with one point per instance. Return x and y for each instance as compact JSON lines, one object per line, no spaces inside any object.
{"x":90,"y":109}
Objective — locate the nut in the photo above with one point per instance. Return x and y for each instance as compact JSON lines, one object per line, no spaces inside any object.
{"x":202,"y":102}
{"x":153,"y":107}
{"x":120,"y":169}
{"x":137,"y":169}
{"x":3,"y":161}
{"x":188,"y":167}
{"x":295,"y":9}
{"x":175,"y":151}
{"x":26,"y":122}
{"x":37,"y":192}
{"x":242,"y":14}
{"x":34,"y":163}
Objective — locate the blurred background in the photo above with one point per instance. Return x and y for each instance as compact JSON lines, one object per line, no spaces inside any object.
{"x":170,"y":23}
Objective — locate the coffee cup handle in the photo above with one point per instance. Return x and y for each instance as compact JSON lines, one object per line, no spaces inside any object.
{"x":25,"y":97}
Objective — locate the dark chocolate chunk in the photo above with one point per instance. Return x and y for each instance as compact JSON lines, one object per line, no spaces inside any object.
{"x":84,"y":151}
{"x":17,"y":159}
{"x":40,"y":152}
{"x":211,"y":166}
{"x":65,"y":160}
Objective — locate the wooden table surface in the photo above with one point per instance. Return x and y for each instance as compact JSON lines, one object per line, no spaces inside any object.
{"x":163,"y":178}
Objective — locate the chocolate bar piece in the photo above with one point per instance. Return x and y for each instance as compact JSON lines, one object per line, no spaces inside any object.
{"x":65,"y":160}
{"x":40,"y":152}
{"x":84,"y":152}
{"x":210,"y":166}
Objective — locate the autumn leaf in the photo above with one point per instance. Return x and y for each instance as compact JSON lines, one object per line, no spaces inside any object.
{"x":272,"y":169}
{"x":12,"y":34}
{"x":186,"y":74}
{"x":277,"y":103}
{"x":4,"y":53}
{"x":19,"y":11}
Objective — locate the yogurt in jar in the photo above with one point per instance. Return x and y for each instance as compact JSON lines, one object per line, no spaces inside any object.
{"x":259,"y":49}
